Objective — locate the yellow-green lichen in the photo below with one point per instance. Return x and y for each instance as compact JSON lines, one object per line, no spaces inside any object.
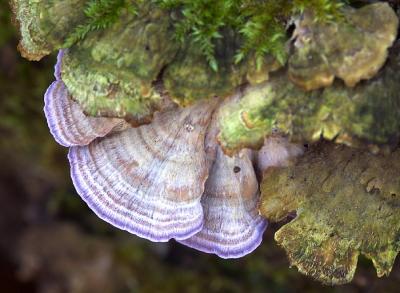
{"x":347,"y":204}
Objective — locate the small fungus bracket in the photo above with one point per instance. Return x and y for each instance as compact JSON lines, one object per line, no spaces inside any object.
{"x":44,"y":25}
{"x":352,"y":49}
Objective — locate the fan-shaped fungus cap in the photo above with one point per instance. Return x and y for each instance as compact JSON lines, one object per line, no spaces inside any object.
{"x":43,"y":25}
{"x":148,"y":180}
{"x":352,"y":49}
{"x":347,"y":204}
{"x":232,"y":225}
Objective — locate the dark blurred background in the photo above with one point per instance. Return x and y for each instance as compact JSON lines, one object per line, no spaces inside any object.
{"x":51,"y":242}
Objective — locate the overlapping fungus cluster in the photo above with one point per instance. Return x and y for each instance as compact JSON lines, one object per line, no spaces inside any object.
{"x":164,"y":144}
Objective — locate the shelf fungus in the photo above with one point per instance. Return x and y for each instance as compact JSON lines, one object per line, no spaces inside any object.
{"x":43,"y":25}
{"x":230,"y":203}
{"x":364,"y":116}
{"x":168,"y":142}
{"x":347,"y":204}
{"x":352,"y":49}
{"x":167,"y":179}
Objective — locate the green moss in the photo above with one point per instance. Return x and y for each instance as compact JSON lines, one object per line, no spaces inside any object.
{"x":260,"y":24}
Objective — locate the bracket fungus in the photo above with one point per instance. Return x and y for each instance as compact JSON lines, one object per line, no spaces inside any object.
{"x":366,"y":115}
{"x":352,"y":49}
{"x":44,"y":24}
{"x":167,"y":142}
{"x":347,"y":204}
{"x":168,"y":179}
{"x":230,"y":203}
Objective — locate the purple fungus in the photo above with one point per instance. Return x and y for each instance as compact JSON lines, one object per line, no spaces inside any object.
{"x":232,"y":225}
{"x":167,"y":179}
{"x":148,"y":180}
